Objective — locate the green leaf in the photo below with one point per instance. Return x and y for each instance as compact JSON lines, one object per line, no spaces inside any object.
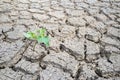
{"x":30,"y":35}
{"x":27,"y":35}
{"x":42,"y":32}
{"x":39,"y":35}
{"x":44,"y":40}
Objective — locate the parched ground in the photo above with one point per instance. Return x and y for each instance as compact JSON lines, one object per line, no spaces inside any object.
{"x":84,"y":40}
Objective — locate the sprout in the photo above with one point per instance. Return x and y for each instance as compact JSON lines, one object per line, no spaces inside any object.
{"x":39,"y":35}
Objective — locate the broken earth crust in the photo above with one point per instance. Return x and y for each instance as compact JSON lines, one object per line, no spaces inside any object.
{"x":84,"y":40}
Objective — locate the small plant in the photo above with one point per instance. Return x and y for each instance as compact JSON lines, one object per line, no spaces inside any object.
{"x":39,"y":35}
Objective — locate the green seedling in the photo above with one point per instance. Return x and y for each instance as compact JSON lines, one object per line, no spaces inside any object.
{"x":39,"y":35}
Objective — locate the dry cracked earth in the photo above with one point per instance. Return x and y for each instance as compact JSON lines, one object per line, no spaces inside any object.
{"x":84,"y":40}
